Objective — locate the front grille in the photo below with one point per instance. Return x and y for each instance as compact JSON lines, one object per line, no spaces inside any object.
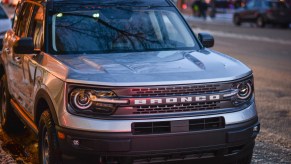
{"x":140,"y":128}
{"x":176,"y":108}
{"x":179,"y":157}
{"x":175,"y":90}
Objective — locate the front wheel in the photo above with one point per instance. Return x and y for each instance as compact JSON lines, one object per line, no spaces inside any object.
{"x":237,"y":20}
{"x":260,"y":22}
{"x":246,"y":160}
{"x":49,"y":152}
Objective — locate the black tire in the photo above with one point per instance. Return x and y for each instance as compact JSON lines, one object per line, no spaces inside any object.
{"x":285,"y":26}
{"x":48,"y":147}
{"x":9,"y":121}
{"x":246,"y":160}
{"x":260,"y":22}
{"x":237,"y":20}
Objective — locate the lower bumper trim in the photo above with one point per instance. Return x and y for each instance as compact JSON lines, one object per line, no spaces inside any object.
{"x":127,"y":144}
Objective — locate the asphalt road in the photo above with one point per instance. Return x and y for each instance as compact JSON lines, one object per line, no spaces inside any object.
{"x":267,"y":51}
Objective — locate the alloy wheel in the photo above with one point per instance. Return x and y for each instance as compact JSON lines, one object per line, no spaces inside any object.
{"x":45,"y":147}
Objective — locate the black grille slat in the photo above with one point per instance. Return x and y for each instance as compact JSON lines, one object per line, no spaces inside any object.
{"x":141,"y":128}
{"x":173,"y":91}
{"x":177,"y":90}
{"x":176,"y":108}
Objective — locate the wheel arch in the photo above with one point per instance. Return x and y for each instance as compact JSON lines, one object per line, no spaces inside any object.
{"x":2,"y":69}
{"x":42,"y":103}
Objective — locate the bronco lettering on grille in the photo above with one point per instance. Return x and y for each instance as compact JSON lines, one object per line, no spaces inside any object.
{"x":173,"y":100}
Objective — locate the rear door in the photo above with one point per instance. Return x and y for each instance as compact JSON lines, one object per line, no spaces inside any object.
{"x":250,"y":11}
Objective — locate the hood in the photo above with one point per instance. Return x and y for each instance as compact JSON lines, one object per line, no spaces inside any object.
{"x":152,"y":68}
{"x":5,"y":25}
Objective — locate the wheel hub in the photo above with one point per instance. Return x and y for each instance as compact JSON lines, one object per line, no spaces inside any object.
{"x":45,"y":148}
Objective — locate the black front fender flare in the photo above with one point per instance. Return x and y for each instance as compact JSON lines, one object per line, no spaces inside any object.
{"x":43,"y":95}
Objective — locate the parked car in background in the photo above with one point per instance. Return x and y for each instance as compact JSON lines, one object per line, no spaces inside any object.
{"x":5,"y":22}
{"x":264,"y":12}
{"x":13,"y":2}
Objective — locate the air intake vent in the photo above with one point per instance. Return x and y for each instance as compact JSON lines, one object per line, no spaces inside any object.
{"x":142,"y":128}
{"x":151,"y":127}
{"x":206,"y":124}
{"x":153,"y":109}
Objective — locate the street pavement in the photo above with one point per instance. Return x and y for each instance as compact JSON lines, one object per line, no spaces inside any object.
{"x":267,"y":51}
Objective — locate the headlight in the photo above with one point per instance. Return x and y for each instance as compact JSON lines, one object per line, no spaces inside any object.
{"x":245,"y":90}
{"x":82,"y":100}
{"x":90,"y":101}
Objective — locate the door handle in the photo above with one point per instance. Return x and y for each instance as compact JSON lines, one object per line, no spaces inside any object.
{"x":7,"y":50}
{"x":17,"y":59}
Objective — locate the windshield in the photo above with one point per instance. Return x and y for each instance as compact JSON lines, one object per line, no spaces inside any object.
{"x":277,"y":5}
{"x":120,"y":30}
{"x":2,"y":14}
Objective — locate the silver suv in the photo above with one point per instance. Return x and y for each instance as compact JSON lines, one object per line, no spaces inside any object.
{"x":123,"y":82}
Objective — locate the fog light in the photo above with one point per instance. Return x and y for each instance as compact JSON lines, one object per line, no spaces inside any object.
{"x":76,"y":142}
{"x":256,"y":128}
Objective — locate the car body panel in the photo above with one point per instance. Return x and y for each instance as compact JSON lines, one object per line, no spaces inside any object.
{"x":5,"y":23}
{"x":152,"y":68}
{"x":70,"y":121}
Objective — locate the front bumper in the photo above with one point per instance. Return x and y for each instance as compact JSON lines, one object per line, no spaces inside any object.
{"x":69,"y":121}
{"x":231,"y":141}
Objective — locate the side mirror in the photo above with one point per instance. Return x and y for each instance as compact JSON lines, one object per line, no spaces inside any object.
{"x":206,"y":39}
{"x":1,"y":44}
{"x":24,"y":46}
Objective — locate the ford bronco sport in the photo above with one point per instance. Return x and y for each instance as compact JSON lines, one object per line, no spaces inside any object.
{"x":123,"y":81}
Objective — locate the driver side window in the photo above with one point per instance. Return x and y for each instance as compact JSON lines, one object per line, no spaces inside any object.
{"x":36,"y":27}
{"x":23,"y":23}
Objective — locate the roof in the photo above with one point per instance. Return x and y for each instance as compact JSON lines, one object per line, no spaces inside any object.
{"x":115,"y":2}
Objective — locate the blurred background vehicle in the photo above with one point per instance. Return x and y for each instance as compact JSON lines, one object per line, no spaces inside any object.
{"x":222,"y":6}
{"x":5,"y":22}
{"x":13,"y":2}
{"x":10,"y":2}
{"x":262,"y":12}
